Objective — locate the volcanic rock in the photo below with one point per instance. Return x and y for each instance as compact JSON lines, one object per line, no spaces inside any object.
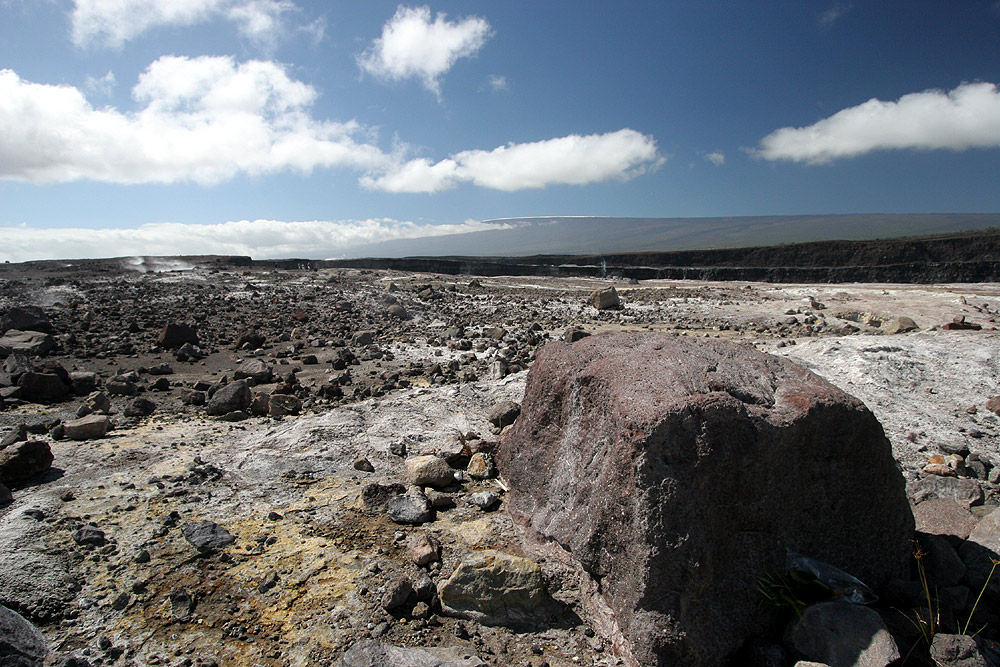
{"x":140,"y":407}
{"x":44,"y":387}
{"x":371,"y":653}
{"x":504,"y":414}
{"x":207,"y":536}
{"x":254,"y":369}
{"x":24,"y":461}
{"x":624,"y":447}
{"x":25,"y":318}
{"x":233,"y":397}
{"x":900,"y":325}
{"x":495,"y":588}
{"x":423,"y":549}
{"x":20,"y":642}
{"x":429,"y":471}
{"x":410,"y":508}
{"x":279,"y":405}
{"x":31,"y":343}
{"x":87,"y":428}
{"x":605,"y":299}
{"x":175,"y":335}
{"x":5,"y":495}
{"x":840,"y":633}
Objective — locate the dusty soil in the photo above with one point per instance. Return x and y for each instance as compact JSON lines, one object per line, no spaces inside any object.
{"x":303,"y":580}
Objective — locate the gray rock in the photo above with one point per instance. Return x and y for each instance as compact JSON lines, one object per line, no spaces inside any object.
{"x":6,"y":496}
{"x":944,"y":566}
{"x":398,"y":312}
{"x":256,"y":370}
{"x":978,"y":551}
{"x":962,"y":490}
{"x":21,"y":644}
{"x":233,"y":397}
{"x":98,"y":401}
{"x":605,"y":299}
{"x":504,"y":414}
{"x":192,"y":397}
{"x":41,"y":387}
{"x":411,"y":508}
{"x":24,"y":461}
{"x":87,"y":428}
{"x":363,"y":338}
{"x":25,"y":318}
{"x":495,"y":588}
{"x":89,"y":536}
{"x":396,"y":594}
{"x":956,"y":651}
{"x":175,"y":335}
{"x":841,"y":634}
{"x":207,"y":536}
{"x":618,"y":457}
{"x":485,"y":500}
{"x":16,"y":434}
{"x":120,"y":385}
{"x":372,"y":653}
{"x":30,"y":343}
{"x":140,"y":407}
{"x":35,"y":579}
{"x":429,"y":470}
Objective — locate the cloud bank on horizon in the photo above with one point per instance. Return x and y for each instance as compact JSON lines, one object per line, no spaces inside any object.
{"x":260,"y":239}
{"x":529,"y":111}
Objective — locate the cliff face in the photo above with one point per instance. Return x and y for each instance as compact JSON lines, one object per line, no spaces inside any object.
{"x":971,"y":257}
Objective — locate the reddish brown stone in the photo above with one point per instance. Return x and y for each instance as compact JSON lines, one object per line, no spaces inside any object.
{"x":676,"y":471}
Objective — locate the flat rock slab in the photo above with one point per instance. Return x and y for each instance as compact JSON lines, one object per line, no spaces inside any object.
{"x":495,"y":588}
{"x":87,"y":428}
{"x":675,"y":471}
{"x":944,"y":516}
{"x":371,"y":653}
{"x":30,"y":343}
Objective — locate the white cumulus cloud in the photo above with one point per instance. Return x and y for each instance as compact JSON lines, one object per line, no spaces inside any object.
{"x":113,"y":22}
{"x":718,"y":158}
{"x":414,"y":46}
{"x":261,"y":239}
{"x":203,"y":119}
{"x":963,"y":118}
{"x":570,"y":160}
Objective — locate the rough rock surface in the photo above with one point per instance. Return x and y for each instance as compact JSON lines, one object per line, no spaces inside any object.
{"x":234,"y":396}
{"x":87,"y":428}
{"x":20,"y":642}
{"x":24,"y":461}
{"x":371,"y":653}
{"x":497,"y":589}
{"x":676,"y":471}
{"x":840,"y":633}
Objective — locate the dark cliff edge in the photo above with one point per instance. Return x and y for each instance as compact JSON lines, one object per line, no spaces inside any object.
{"x":964,"y":257}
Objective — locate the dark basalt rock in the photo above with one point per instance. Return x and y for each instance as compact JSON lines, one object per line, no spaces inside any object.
{"x":175,"y":335}
{"x":674,"y":472}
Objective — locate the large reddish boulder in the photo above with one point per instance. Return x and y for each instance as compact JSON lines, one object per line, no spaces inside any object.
{"x":674,"y":472}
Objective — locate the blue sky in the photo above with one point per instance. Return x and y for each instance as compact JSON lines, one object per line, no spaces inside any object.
{"x":287,"y":127}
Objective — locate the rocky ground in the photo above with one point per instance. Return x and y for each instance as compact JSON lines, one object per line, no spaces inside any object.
{"x":222,"y":491}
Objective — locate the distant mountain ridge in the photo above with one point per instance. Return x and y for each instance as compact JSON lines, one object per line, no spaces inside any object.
{"x":602,"y":235}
